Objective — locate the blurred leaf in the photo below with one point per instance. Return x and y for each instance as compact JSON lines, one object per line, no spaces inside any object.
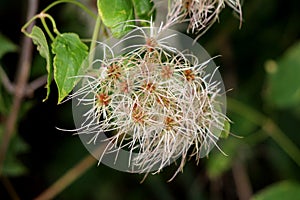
{"x":283,"y":79}
{"x":218,"y":163}
{"x":6,"y":45}
{"x":143,"y":9}
{"x":70,"y":53}
{"x":279,"y":191}
{"x":245,"y":119}
{"x":226,"y":130}
{"x":116,"y":14}
{"x":39,"y":39}
{"x":233,"y":146}
{"x":12,"y":166}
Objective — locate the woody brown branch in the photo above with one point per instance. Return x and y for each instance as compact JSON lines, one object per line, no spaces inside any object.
{"x":22,"y":77}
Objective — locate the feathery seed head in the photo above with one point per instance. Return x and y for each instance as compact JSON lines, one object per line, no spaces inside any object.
{"x":160,"y":97}
{"x":200,"y":14}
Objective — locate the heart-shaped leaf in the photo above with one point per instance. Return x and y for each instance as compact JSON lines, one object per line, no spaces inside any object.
{"x":70,"y":53}
{"x":40,"y":40}
{"x":116,"y":14}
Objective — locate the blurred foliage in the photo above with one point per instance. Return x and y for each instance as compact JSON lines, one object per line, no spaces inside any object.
{"x":6,"y":45}
{"x":283,"y":190}
{"x":12,"y":165}
{"x":261,"y":62}
{"x":283,"y":79}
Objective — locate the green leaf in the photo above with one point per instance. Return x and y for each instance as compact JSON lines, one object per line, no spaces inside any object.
{"x":6,"y":46}
{"x":12,"y":166}
{"x":279,"y":191}
{"x":40,"y":40}
{"x":283,"y":79}
{"x":143,"y":9}
{"x":70,"y":53}
{"x":226,"y":130}
{"x":115,"y":15}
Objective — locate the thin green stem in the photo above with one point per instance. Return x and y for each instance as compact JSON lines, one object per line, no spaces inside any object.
{"x":83,"y":7}
{"x":23,"y":29}
{"x":268,"y":126}
{"x":55,"y":30}
{"x":94,"y":39}
{"x":41,"y":16}
{"x":46,"y":28}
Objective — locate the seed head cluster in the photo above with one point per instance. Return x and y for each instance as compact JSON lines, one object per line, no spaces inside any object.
{"x":200,"y":14}
{"x":154,"y":101}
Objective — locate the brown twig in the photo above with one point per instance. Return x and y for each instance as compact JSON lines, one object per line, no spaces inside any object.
{"x":20,"y":86}
{"x":242,"y":182}
{"x":68,"y":178}
{"x":30,"y":87}
{"x":6,"y":82}
{"x":35,"y":84}
{"x":71,"y":175}
{"x":9,"y":188}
